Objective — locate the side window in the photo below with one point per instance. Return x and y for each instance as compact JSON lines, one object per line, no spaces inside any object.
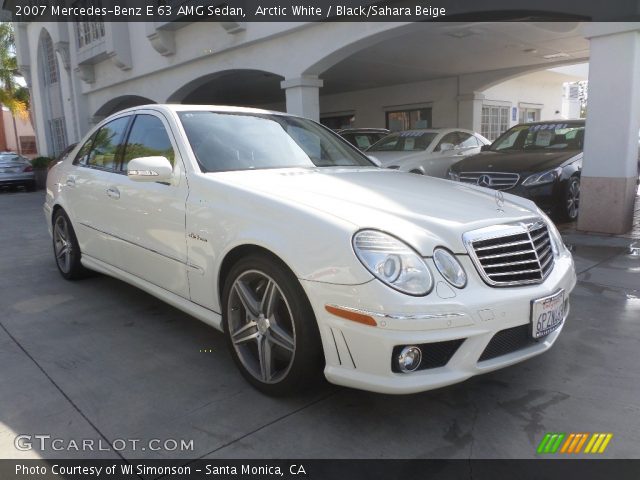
{"x":108,"y":144}
{"x":148,"y":138}
{"x":451,"y":138}
{"x":83,"y":153}
{"x":467,"y":140}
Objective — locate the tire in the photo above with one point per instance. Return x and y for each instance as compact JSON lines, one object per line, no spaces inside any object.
{"x":417,"y":172}
{"x":571,"y":200}
{"x":270,"y":327}
{"x":66,"y":251}
{"x":30,"y":186}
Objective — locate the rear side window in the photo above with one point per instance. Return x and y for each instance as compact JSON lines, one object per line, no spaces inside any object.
{"x":107,"y":144}
{"x":83,"y":153}
{"x":148,"y":138}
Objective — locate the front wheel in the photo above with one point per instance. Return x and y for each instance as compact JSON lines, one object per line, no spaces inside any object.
{"x":270,"y":326}
{"x":571,"y":199}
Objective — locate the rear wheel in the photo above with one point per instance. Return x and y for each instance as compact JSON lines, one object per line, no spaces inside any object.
{"x":419,"y":172}
{"x":66,"y":249}
{"x":270,"y":326}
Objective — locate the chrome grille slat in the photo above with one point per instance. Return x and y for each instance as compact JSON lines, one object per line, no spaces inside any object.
{"x":508,"y":264}
{"x":502,"y":266}
{"x":501,"y":255}
{"x":492,"y":247}
{"x":521,"y":272}
{"x":499,"y":180}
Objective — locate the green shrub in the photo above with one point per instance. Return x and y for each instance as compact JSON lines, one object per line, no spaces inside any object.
{"x":41,"y":163}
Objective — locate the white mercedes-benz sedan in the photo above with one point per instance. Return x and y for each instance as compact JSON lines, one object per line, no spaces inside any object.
{"x":426,"y":152}
{"x":274,"y":230}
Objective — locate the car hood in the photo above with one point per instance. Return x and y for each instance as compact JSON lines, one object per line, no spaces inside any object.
{"x":387,"y":159}
{"x":516,"y":162}
{"x":423,"y":211}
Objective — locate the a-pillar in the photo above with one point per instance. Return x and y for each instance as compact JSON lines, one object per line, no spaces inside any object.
{"x":610,"y":163}
{"x":303,"y":96}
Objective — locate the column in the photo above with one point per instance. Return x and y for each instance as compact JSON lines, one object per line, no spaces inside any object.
{"x":302,"y":95}
{"x":470,"y":111}
{"x":610,"y":163}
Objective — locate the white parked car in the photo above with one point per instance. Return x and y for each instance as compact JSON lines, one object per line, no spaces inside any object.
{"x":276,"y":231}
{"x":426,"y":152}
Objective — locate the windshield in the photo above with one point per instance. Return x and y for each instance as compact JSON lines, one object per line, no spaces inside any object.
{"x":9,"y":158}
{"x":548,"y":136}
{"x":410,"y":141}
{"x":244,"y":141}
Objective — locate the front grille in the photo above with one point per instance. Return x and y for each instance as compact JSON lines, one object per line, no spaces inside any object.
{"x":495,"y":180}
{"x":511,"y":255}
{"x":508,"y":341}
{"x":434,"y":355}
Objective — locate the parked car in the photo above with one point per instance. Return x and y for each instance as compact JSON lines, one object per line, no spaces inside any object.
{"x":426,"y":152}
{"x":540,"y":161}
{"x":16,"y":170}
{"x":363,"y":138}
{"x":273,"y":230}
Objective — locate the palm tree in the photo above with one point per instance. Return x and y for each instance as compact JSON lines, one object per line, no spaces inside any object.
{"x":12,"y":95}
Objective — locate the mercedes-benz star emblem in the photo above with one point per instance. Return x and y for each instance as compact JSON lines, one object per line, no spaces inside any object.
{"x":500,"y":200}
{"x":484,"y":181}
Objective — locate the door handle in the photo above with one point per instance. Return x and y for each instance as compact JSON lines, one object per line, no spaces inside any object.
{"x":113,"y":192}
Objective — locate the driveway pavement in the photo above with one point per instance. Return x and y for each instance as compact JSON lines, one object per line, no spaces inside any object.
{"x":101,"y":361}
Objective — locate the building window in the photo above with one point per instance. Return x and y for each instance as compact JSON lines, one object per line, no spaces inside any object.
{"x":58,"y":135}
{"x":529,"y":115}
{"x":494,"y":122}
{"x":50,"y":67}
{"x":399,"y":120}
{"x":338,"y":122}
{"x":89,"y":32}
{"x":28,"y":144}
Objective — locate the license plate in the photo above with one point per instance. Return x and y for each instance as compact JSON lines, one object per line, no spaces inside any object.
{"x":547,"y":314}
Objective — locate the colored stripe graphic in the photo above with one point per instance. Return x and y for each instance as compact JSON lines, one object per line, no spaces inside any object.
{"x":550,"y":443}
{"x":573,"y":443}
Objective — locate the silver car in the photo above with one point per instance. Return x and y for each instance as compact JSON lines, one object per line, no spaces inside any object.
{"x":427,"y":152}
{"x":16,"y":170}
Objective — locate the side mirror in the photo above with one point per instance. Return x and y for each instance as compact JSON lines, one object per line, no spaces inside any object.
{"x":485,"y":148}
{"x":445,"y":147}
{"x":376,"y":162}
{"x":149,"y":169}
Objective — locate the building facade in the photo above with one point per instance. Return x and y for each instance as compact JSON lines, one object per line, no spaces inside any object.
{"x":398,"y":75}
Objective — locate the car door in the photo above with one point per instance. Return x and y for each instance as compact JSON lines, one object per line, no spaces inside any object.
{"x":149,"y":217}
{"x":87,"y":189}
{"x":446,"y":153}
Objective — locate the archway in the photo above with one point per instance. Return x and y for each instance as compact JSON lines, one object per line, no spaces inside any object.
{"x":120,"y":103}
{"x":241,"y":87}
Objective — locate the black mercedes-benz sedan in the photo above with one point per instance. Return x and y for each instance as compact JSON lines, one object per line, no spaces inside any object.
{"x":540,"y":161}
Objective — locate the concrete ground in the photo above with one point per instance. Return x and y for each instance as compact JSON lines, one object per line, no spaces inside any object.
{"x":100,"y":360}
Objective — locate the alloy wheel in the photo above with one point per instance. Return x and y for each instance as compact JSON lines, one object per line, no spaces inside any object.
{"x":573,"y":199}
{"x":261,"y":326}
{"x":63,"y":246}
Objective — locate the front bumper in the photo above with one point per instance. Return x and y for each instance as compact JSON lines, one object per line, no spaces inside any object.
{"x":360,"y":356}
{"x":17,"y":178}
{"x":547,"y":197}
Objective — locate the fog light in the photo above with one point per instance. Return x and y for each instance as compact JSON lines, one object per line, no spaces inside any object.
{"x":409,"y":359}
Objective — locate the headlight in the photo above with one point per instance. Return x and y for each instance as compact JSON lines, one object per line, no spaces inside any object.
{"x":453,"y":176}
{"x":450,"y":268}
{"x":549,"y":176}
{"x":393,"y":262}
